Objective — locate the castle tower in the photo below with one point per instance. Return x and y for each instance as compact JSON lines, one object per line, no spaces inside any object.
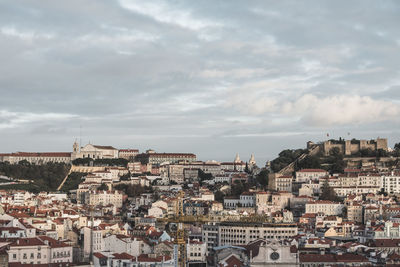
{"x":252,"y":161}
{"x":237,"y":159}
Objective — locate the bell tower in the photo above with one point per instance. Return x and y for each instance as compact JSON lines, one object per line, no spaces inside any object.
{"x":75,"y":147}
{"x":75,"y":150}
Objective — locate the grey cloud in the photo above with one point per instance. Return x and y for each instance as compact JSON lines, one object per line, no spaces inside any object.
{"x":196,"y":76}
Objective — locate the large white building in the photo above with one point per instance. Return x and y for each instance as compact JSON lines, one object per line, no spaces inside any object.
{"x":306,"y":175}
{"x":94,"y":152}
{"x":105,"y":198}
{"x":391,"y":183}
{"x":196,"y":251}
{"x":324,"y":206}
{"x":37,"y":158}
{"x":243,"y":233}
{"x":39,"y":250}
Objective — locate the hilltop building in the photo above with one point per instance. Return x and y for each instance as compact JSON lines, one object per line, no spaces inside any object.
{"x":94,"y":152}
{"x":158,"y":158}
{"x":36,"y":157}
{"x":350,"y":147}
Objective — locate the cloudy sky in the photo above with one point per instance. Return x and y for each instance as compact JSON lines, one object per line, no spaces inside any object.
{"x":209,"y":77}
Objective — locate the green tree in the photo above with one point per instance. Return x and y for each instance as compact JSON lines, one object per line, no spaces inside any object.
{"x":328,"y":193}
{"x":238,"y":187}
{"x":204,"y":176}
{"x":219,"y":196}
{"x":262,"y":178}
{"x":103,"y":187}
{"x":397,"y":146}
{"x":246,"y":169}
{"x":309,"y":162}
{"x":336,"y":161}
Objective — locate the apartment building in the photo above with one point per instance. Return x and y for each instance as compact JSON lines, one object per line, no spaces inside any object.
{"x":391,"y":183}
{"x":105,"y":198}
{"x":242,"y":233}
{"x":324,"y":206}
{"x":158,"y":158}
{"x":306,"y":175}
{"x":196,"y":251}
{"x":39,"y":250}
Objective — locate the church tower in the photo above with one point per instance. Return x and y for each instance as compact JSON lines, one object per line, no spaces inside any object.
{"x":75,"y":150}
{"x":237,"y":159}
{"x":252,"y":161}
{"x":75,"y":147}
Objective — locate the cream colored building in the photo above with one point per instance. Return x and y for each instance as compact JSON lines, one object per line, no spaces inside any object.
{"x":37,"y":158}
{"x":306,"y":175}
{"x":391,"y":183}
{"x":355,"y":213}
{"x":94,"y":152}
{"x":196,"y":250}
{"x":275,"y":253}
{"x":324,"y":206}
{"x":128,"y":154}
{"x":105,"y":198}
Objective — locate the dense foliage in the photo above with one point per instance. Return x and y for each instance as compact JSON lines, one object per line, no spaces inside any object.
{"x":328,"y":193}
{"x":309,"y":162}
{"x":238,"y":187}
{"x":285,"y":158}
{"x":204,"y":176}
{"x":74,"y":179}
{"x":262,"y":178}
{"x":133,"y":190}
{"x":100,"y":162}
{"x":26,"y":187}
{"x":47,"y":176}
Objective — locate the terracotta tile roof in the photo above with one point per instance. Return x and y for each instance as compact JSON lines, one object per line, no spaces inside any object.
{"x":232,"y":261}
{"x":146,"y":258}
{"x":53,"y":242}
{"x":99,"y":255}
{"x":123,"y":256}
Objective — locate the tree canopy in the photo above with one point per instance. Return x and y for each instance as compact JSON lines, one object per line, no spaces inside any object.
{"x":328,"y":193}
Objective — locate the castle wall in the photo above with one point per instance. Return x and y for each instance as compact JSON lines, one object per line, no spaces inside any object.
{"x":348,"y":148}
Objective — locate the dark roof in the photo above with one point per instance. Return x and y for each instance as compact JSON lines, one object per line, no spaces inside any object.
{"x":104,"y":147}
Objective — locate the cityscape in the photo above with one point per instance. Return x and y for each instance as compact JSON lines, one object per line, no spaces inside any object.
{"x":333,"y":202}
{"x":212,"y":133}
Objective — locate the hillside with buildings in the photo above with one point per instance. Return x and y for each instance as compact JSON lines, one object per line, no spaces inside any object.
{"x":334,"y":203}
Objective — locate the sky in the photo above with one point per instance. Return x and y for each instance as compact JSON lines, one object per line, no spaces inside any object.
{"x":212,"y":77}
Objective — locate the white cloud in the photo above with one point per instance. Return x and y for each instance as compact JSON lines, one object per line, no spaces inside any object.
{"x":342,"y":110}
{"x":27,"y":36}
{"x":316,"y":111}
{"x":164,"y":13}
{"x":10,"y":119}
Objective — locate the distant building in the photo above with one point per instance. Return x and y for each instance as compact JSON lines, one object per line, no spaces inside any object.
{"x":128,"y":154}
{"x":94,"y":152}
{"x":306,"y":175}
{"x":158,"y":158}
{"x":37,"y":158}
{"x":324,"y":206}
{"x":349,"y":147}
